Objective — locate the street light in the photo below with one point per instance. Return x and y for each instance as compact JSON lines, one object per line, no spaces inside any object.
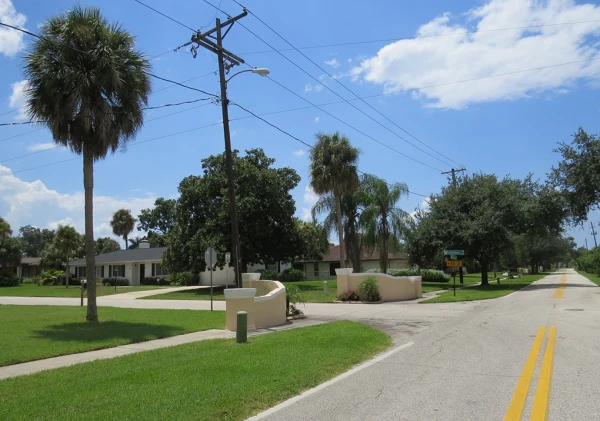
{"x":235,"y":233}
{"x":261,"y":71}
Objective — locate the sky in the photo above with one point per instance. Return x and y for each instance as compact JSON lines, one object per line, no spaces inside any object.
{"x":489,"y":85}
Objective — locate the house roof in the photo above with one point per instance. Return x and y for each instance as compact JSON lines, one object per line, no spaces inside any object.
{"x":32,"y":261}
{"x":333,"y":255}
{"x":123,"y":256}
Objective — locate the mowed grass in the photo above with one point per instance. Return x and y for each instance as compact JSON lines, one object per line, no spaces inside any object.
{"x":209,"y":380}
{"x":470,"y":279}
{"x":31,"y":290}
{"x":480,"y":292}
{"x":35,"y":332}
{"x":311,"y":290}
{"x":594,"y":278}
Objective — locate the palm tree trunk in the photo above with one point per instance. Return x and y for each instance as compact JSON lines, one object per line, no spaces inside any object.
{"x":383,"y":253}
{"x":126,"y":244}
{"x":338,"y":211}
{"x":90,"y":257}
{"x":67,"y":275}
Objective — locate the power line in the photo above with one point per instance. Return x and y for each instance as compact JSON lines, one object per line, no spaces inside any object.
{"x":331,"y":90}
{"x":181,"y":84}
{"x":57,"y":146}
{"x":19,"y":135}
{"x":302,"y":141}
{"x":144,"y":108}
{"x":168,"y":17}
{"x":355,"y":95}
{"x":341,"y":44}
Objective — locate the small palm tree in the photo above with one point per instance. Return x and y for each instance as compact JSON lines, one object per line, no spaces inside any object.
{"x":134,"y":243}
{"x":333,"y":163}
{"x":88,"y":85}
{"x":122,"y":224}
{"x":382,"y":221}
{"x":67,"y":242}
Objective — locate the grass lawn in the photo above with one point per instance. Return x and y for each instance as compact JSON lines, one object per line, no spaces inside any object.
{"x":312,"y":291}
{"x":493,"y":290}
{"x":594,"y":278}
{"x":35,"y":332}
{"x":31,"y":290}
{"x":470,"y":279}
{"x":209,"y":380}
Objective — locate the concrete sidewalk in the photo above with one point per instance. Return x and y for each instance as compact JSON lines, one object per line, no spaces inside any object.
{"x":140,"y":294}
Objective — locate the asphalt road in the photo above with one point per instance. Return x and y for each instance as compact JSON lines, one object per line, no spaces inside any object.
{"x":468,"y":366}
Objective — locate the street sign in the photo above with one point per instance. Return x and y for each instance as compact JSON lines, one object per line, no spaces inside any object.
{"x":227,"y":257}
{"x":210,"y":257}
{"x":453,"y":257}
{"x":455,"y":252}
{"x":453,"y":263}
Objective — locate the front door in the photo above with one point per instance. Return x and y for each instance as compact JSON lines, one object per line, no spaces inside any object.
{"x":142,"y":272}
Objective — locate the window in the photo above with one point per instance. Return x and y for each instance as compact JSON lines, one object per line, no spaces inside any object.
{"x":160,"y":270}
{"x":316,"y":269}
{"x":99,"y":271}
{"x":81,"y":272}
{"x":118,"y":271}
{"x":332,"y":267}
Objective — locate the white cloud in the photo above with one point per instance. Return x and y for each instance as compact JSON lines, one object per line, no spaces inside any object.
{"x":11,"y":41}
{"x":300,"y":152}
{"x":17,"y":98}
{"x":66,"y":221}
{"x":32,"y":202}
{"x":306,"y":214}
{"x":310,"y":197}
{"x":333,"y":63}
{"x":317,"y":119}
{"x":435,"y":60}
{"x":316,"y":88}
{"x":41,"y":146}
{"x":308,"y":87}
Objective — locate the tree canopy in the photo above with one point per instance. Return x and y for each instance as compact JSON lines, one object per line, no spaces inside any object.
{"x":106,"y":245}
{"x":122,"y":224}
{"x":265,"y":210}
{"x":577,"y":176}
{"x":34,"y":240}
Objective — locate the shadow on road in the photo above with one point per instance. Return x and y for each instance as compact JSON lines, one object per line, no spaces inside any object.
{"x":536,"y":287}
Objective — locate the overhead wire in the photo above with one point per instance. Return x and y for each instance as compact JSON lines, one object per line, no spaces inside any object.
{"x":335,"y":93}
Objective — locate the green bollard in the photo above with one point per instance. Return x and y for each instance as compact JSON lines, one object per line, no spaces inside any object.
{"x":241,"y":330}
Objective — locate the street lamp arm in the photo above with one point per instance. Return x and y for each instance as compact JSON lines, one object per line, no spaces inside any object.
{"x":258,"y":70}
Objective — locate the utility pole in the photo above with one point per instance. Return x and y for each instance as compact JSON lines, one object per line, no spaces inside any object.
{"x":453,"y":172}
{"x":227,"y":60}
{"x":593,"y":233}
{"x":586,"y":246}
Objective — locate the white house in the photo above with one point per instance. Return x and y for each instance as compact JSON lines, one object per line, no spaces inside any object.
{"x":144,"y":262}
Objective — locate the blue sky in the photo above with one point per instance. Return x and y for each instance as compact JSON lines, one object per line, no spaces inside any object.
{"x":496,"y":124}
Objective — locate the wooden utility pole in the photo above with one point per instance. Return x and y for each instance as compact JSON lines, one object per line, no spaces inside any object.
{"x":227,"y":60}
{"x":593,"y":233}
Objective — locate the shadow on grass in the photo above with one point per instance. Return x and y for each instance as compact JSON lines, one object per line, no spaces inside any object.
{"x":106,"y":331}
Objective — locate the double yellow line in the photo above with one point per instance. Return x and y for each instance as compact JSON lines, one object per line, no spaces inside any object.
{"x":561,"y":287}
{"x":541,"y":401}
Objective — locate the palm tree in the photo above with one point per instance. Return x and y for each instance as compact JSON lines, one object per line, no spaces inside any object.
{"x":122,"y":224}
{"x":382,"y":221}
{"x":134,"y":243}
{"x":67,"y":242}
{"x":88,"y":85}
{"x":333,"y":170}
{"x":350,"y":220}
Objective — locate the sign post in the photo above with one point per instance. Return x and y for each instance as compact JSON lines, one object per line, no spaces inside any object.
{"x":210,"y":257}
{"x":227,"y":260}
{"x":453,"y":255}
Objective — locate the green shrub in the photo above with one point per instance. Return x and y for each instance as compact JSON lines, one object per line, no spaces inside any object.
{"x":293,"y":297}
{"x":433,"y":275}
{"x":149,"y":280}
{"x":181,"y":278}
{"x":404,"y":272}
{"x":349,"y":296}
{"x":27,"y":281}
{"x":51,"y":277}
{"x":8,"y":279}
{"x":119,"y":282}
{"x":368,"y":290}
{"x":269,"y":275}
{"x":292,"y":275}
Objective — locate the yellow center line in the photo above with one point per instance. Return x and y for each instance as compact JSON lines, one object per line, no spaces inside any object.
{"x":561,"y":287}
{"x":541,"y":402}
{"x":517,"y":403}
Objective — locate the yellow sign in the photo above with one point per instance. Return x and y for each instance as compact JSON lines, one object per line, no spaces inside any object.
{"x":453,"y":263}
